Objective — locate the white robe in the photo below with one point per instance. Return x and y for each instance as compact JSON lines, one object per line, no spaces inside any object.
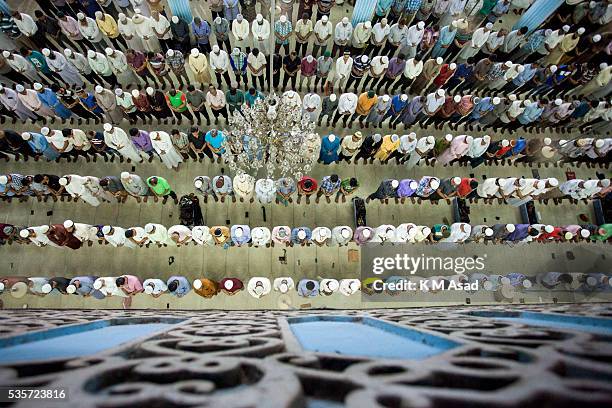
{"x":120,"y":141}
{"x":65,"y":69}
{"x":77,"y":188}
{"x":164,"y":147}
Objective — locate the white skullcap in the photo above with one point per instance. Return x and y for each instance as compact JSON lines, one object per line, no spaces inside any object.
{"x":6,"y":54}
{"x":448,"y":137}
{"x":510,"y":227}
{"x":45,"y":131}
{"x":345,"y":20}
{"x":549,"y":228}
{"x":24,"y":233}
{"x":71,"y":289}
{"x":118,"y":91}
{"x":603,"y":65}
{"x":508,"y":64}
{"x":301,"y":234}
{"x":148,"y":289}
{"x":108,"y":127}
{"x":547,"y":141}
{"x":385,"y":59}
{"x":568,"y":235}
{"x":216,"y":48}
{"x":197,"y":284}
{"x":403,"y":97}
{"x":488,"y":232}
{"x":366,"y":233}
{"x":489,"y":26}
{"x":367,"y":24}
{"x":195,"y":52}
{"x":170,"y":53}
{"x":469,"y":139}
{"x":431,"y":139}
{"x":414,"y":185}
{"x":46,"y":288}
{"x":175,"y":19}
{"x":106,"y":229}
{"x":68,"y":224}
{"x":80,"y":16}
{"x":553,"y":68}
{"x":565,"y":28}
{"x":452,"y":65}
{"x":150,"y":90}
{"x":553,"y":182}
{"x":19,"y":88}
{"x":121,"y":16}
{"x":46,"y":52}
{"x":540,"y":184}
{"x":394,"y":183}
{"x":456,"y":180}
{"x":135,"y":93}
{"x":26,"y":136}
{"x":558,"y":101}
{"x":475,"y":99}
{"x":98,"y":89}
{"x":520,"y":69}
{"x":457,"y":98}
{"x":149,"y":228}
{"x":439,"y":60}
{"x":440,"y":92}
{"x":434,"y":184}
{"x":496,"y":100}
{"x":91,"y":53}
{"x":505,"y":143}
{"x":63,"y":181}
{"x":386,"y":98}
{"x":512,"y":97}
{"x":198,"y":183}
{"x":596,"y":38}
{"x":97,"y":284}
{"x":581,"y":31}
{"x":68,"y":52}
{"x":228,"y":284}
{"x":527,"y":103}
{"x":421,"y":25}
{"x":108,"y":51}
{"x":3,"y":179}
{"x":599,"y":143}
{"x":98,"y":14}
{"x":37,"y":86}
{"x":585,"y":233}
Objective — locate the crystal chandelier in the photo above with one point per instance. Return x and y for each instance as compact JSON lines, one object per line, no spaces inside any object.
{"x":272,"y":135}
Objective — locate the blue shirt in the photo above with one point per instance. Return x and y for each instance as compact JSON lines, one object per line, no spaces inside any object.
{"x":246,"y":234}
{"x":183,"y":285}
{"x":90,"y":102}
{"x":397,"y":105}
{"x":535,"y":40}
{"x":525,"y":76}
{"x":463,"y":71}
{"x":519,"y":146}
{"x":521,"y":231}
{"x":484,"y":106}
{"x":382,"y":7}
{"x":86,"y":286}
{"x":294,"y":235}
{"x":201,"y":31}
{"x":215,"y":141}
{"x":530,"y":114}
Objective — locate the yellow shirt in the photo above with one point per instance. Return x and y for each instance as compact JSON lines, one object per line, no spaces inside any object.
{"x":365,"y":104}
{"x":108,"y":26}
{"x":386,"y":148}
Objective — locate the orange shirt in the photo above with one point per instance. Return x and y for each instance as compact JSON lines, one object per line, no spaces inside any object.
{"x":365,"y":104}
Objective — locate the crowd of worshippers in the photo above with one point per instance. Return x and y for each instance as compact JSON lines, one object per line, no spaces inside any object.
{"x":421,"y":46}
{"x":243,"y":187}
{"x":74,"y":235}
{"x":91,"y":286}
{"x":172,"y":148}
{"x":129,"y":285}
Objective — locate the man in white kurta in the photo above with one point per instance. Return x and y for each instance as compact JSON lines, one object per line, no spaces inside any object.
{"x":144,"y":30}
{"x":58,"y":63}
{"x":128,"y":31}
{"x":81,"y":231}
{"x":21,"y":65}
{"x":201,"y":235}
{"x":261,"y":33}
{"x":158,"y":234}
{"x":116,"y":237}
{"x":341,"y":235}
{"x":162,"y":143}
{"x":76,"y":186}
{"x":10,"y":99}
{"x":89,"y":29}
{"x":180,"y":234}
{"x":116,"y":138}
{"x":311,"y":105}
{"x":265,"y":190}
{"x":244,"y":187}
{"x":240,"y":30}
{"x":36,"y":235}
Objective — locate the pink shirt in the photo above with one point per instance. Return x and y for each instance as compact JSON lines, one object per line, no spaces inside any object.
{"x":308,"y":68}
{"x":133,"y":283}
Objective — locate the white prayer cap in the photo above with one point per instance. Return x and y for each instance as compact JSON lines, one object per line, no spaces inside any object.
{"x":566,"y":28}
{"x":345,"y":232}
{"x":3,"y":179}
{"x":568,"y":235}
{"x":345,"y":20}
{"x":135,"y":93}
{"x":469,"y":139}
{"x":97,"y":284}
{"x":489,"y":26}
{"x":585,"y":233}
{"x":412,"y":136}
{"x":121,"y":16}
{"x":394,"y":138}
{"x":150,"y":90}
{"x":553,"y":68}
{"x":37,"y":86}
{"x":301,"y":234}
{"x":488,"y":232}
{"x":80,"y":16}
{"x":527,"y":103}
{"x":98,"y":14}
{"x":591,"y":281}
{"x":441,"y":92}
{"x":367,"y":24}
{"x":198,"y":183}
{"x":91,"y":53}
{"x":496,"y":100}
{"x":394,"y":183}
{"x":548,"y":32}
{"x":558,"y":101}
{"x":434,"y":184}
{"x":366,"y":233}
{"x":475,"y":99}
{"x":549,"y":228}
{"x":46,"y":52}
{"x":137,"y":11}
{"x":385,"y":59}
{"x":599,"y":143}
{"x":195,"y":52}
{"x":98,"y":89}
{"x":6,"y":54}
{"x":452,"y":65}
{"x":175,"y":19}
{"x":508,"y":64}
{"x":414,"y":185}
{"x":581,"y":31}
{"x":170,"y":52}
{"x":68,"y":52}
{"x":45,"y":131}
{"x":108,"y":127}
{"x":46,"y":288}
{"x":486,"y":138}
{"x":605,"y":183}
{"x":118,"y":91}
{"x":421,"y":25}
{"x":106,"y":229}
{"x":456,"y":180}
{"x":520,"y":69}
{"x":510,"y":227}
{"x":228,"y":284}
{"x":26,"y":136}
{"x":333,"y":97}
{"x":24,"y":233}
{"x":1,"y":287}
{"x":386,"y":98}
{"x":71,"y":289}
{"x":603,"y":65}
{"x":547,"y":141}
{"x":377,"y":137}
{"x":596,"y":38}
{"x":488,"y":285}
{"x":148,"y":289}
{"x":68,"y":224}
{"x":553,"y":182}
{"x":448,"y":137}
{"x":504,"y":280}
{"x":527,"y":283}
{"x":403,"y":97}
{"x":149,"y":228}
{"x":512,"y":97}
{"x":541,"y":184}
{"x":239,"y":232}
{"x":439,"y":60}
{"x":505,"y":143}
{"x":325,"y":19}
{"x":259,"y":17}
{"x":108,"y":51}
{"x":63,"y":181}
{"x":457,"y":98}
{"x":216,"y":48}
{"x":218,"y":20}
{"x":431,"y":139}
{"x":426,"y":231}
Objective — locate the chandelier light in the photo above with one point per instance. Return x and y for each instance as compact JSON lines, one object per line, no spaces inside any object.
{"x":271,"y":136}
